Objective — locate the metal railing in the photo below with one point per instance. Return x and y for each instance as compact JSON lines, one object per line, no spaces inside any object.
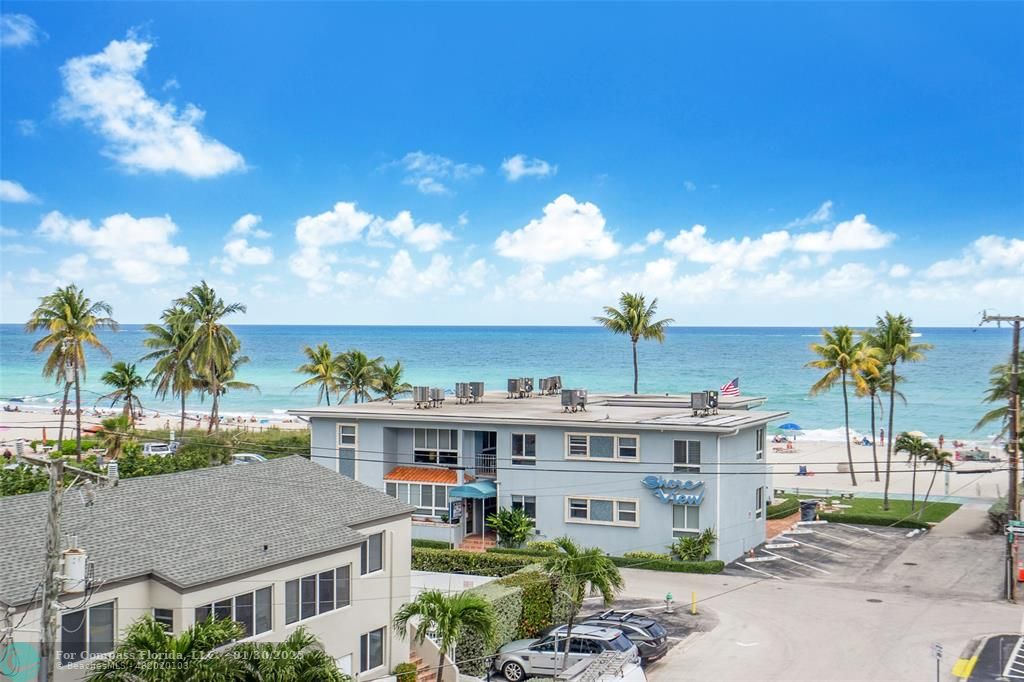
{"x":486,"y":465}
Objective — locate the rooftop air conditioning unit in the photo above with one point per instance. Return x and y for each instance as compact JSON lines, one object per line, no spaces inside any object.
{"x":551,"y":385}
{"x":421,"y":396}
{"x":712,"y":401}
{"x":463,"y":393}
{"x":526,"y":386}
{"x":436,"y":397}
{"x":514,"y":387}
{"x":476,"y":388}
{"x":574,"y":399}
{"x":699,"y":403}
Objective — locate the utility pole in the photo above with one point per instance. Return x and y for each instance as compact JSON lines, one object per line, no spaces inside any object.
{"x":1013,"y":444}
{"x":52,"y":580}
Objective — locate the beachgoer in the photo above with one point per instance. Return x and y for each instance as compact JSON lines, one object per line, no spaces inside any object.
{"x":942,"y":439}
{"x":881,"y":436}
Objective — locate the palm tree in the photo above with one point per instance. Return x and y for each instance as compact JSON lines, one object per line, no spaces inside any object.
{"x":892,"y":343}
{"x":582,"y":572}
{"x":358,"y":375}
{"x":172,"y":372}
{"x":916,"y":450}
{"x":224,"y":380}
{"x":446,"y":618}
{"x":188,"y":656}
{"x":300,"y":656}
{"x":391,"y":383}
{"x":212,"y":344}
{"x":940,"y":459}
{"x":322,"y":368}
{"x":113,"y":434}
{"x":635,"y":318}
{"x":844,"y":358}
{"x":70,"y":320}
{"x":998,"y":392}
{"x":874,"y":386}
{"x":125,"y":381}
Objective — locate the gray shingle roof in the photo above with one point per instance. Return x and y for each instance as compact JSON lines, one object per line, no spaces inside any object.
{"x":194,"y":527}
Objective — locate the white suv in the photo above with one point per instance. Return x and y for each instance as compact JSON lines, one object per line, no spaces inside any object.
{"x":546,"y":655}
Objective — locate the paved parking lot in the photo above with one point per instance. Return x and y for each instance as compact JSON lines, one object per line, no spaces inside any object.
{"x":835,"y":552}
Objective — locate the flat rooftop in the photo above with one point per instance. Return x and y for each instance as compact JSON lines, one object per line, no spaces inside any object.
{"x":654,"y":412}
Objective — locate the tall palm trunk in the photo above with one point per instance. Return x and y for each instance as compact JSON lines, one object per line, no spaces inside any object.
{"x":440,"y":665}
{"x":63,"y":414}
{"x":182,"y":413}
{"x":568,"y":638}
{"x":327,"y":394}
{"x":636,"y":370}
{"x":78,"y":412}
{"x":913,"y":481}
{"x":215,"y":393}
{"x":849,"y":450}
{"x":874,"y":437}
{"x":930,"y":484}
{"x":888,"y":445}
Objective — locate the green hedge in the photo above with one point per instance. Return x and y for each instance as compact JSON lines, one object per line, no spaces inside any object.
{"x":520,"y":551}
{"x":629,"y":562}
{"x":431,"y":544}
{"x":789,"y":505}
{"x":870,"y":520}
{"x":538,"y":591}
{"x":998,"y":515}
{"x":474,"y":563}
{"x":471,"y":654}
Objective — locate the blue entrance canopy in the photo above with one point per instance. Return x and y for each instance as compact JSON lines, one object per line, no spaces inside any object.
{"x":477,"y":490}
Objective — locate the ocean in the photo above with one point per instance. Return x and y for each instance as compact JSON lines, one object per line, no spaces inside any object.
{"x":943,"y":393}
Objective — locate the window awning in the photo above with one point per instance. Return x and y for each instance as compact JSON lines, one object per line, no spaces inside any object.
{"x":414,"y":474}
{"x":477,"y":490}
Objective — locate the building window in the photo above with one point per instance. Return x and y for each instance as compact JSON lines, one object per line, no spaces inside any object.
{"x":602,"y":447}
{"x":346,"y":447}
{"x":686,"y":456}
{"x":371,"y":557}
{"x":759,"y":502}
{"x":759,"y":443}
{"x":430,"y":500}
{"x":436,"y":446}
{"x":86,"y":632}
{"x":165,"y":617}
{"x":528,"y":503}
{"x":602,"y":510}
{"x":685,"y":519}
{"x":312,"y":595}
{"x":524,"y":448}
{"x":251,"y":609}
{"x":371,"y":650}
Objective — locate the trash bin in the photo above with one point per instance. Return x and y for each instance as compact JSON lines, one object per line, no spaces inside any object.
{"x":808,"y":509}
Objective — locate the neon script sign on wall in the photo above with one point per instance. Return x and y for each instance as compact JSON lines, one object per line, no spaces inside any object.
{"x":674,"y":491}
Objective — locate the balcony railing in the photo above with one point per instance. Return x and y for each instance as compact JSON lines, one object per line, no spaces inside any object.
{"x":486,"y":466}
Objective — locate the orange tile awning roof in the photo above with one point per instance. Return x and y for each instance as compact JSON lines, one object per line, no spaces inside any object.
{"x":425,"y":475}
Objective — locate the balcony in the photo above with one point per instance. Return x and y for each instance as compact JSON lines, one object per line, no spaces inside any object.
{"x":486,"y":465}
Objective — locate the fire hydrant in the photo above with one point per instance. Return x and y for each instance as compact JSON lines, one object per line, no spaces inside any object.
{"x":668,"y":603}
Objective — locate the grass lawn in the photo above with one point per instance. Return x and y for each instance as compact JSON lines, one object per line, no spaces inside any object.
{"x":898,"y":509}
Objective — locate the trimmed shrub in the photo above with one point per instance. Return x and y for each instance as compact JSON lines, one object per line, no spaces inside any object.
{"x":998,"y":515}
{"x":538,"y":599}
{"x":474,"y":563}
{"x":471,"y":655}
{"x":405,"y":672}
{"x":695,"y":548}
{"x":670,"y":566}
{"x":787,"y":506}
{"x":520,"y":551}
{"x":431,"y":544}
{"x":869,"y":520}
{"x":542,"y":546}
{"x":641,"y":554}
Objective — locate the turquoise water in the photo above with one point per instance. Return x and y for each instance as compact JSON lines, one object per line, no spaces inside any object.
{"x":943,"y":393}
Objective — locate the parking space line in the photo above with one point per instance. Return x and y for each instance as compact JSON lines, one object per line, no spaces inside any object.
{"x":1012,"y":662}
{"x":820,"y":549}
{"x":863,"y":530}
{"x":799,"y":563}
{"x":757,"y":570}
{"x":835,"y":537}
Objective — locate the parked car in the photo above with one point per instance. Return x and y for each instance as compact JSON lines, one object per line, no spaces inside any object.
{"x":650,"y":637}
{"x":247,"y":458}
{"x":157,"y":449}
{"x":544,"y":655}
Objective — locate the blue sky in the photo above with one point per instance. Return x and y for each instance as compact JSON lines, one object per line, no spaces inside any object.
{"x":516,"y":164}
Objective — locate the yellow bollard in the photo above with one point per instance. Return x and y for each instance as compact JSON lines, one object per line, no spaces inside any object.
{"x":693,"y":603}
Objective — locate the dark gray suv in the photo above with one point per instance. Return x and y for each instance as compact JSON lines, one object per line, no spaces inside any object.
{"x":650,"y":637}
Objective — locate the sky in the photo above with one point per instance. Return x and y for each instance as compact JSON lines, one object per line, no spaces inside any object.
{"x":516,"y":164}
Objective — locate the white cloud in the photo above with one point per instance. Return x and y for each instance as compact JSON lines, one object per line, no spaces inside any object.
{"x":690,"y":185}
{"x":519,"y":166}
{"x":138,"y":250}
{"x":343,"y":223}
{"x":74,"y":267}
{"x":143,"y":134}
{"x":899,"y":270}
{"x":429,"y":172}
{"x":820,"y":215}
{"x":425,"y":236}
{"x":984,"y":254}
{"x":14,"y":193}
{"x":239,"y":252}
{"x":743,"y":254}
{"x":848,"y":277}
{"x":464,"y":219}
{"x":26,"y":127}
{"x":850,"y":235}
{"x":403,"y":280}
{"x":652,"y":238}
{"x":567,"y":230}
{"x":19,"y":30}
{"x":246,"y":227}
{"x":8,"y":232}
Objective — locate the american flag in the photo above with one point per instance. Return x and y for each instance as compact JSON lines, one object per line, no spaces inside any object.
{"x":732,"y":388}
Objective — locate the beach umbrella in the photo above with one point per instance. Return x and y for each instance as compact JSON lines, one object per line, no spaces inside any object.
{"x":790,"y":426}
{"x":917,"y":434}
